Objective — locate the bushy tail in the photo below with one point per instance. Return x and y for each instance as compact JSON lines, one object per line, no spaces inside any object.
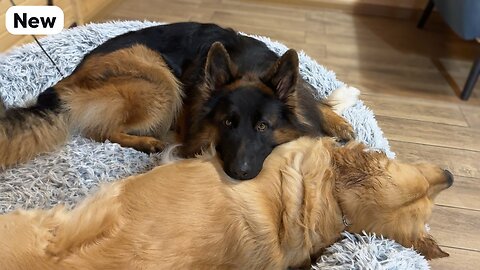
{"x":343,"y":98}
{"x":26,"y":132}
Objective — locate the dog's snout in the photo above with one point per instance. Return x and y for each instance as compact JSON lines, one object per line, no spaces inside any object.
{"x":449,"y":177}
{"x":242,"y":171}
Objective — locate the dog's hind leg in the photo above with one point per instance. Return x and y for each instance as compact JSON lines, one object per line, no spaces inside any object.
{"x":128,"y":96}
{"x":334,"y":125}
{"x":122,"y":107}
{"x":331,"y":110}
{"x":141,"y":143}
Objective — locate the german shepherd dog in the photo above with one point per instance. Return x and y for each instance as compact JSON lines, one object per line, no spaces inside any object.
{"x":190,"y":215}
{"x":211,"y":85}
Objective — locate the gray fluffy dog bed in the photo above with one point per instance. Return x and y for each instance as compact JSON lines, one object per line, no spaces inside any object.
{"x":69,"y":173}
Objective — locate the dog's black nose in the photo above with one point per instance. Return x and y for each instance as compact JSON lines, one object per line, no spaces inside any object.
{"x":449,"y":176}
{"x":242,"y":171}
{"x":240,"y":174}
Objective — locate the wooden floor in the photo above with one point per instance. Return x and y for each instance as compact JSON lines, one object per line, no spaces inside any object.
{"x":409,"y":77}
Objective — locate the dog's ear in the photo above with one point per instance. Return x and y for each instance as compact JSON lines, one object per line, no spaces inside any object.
{"x":429,"y":248}
{"x":219,"y":69}
{"x":283,"y":75}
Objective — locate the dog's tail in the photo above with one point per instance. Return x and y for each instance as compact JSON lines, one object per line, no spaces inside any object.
{"x":343,"y":98}
{"x":26,"y":132}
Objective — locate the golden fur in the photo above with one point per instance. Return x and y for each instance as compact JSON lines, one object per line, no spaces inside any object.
{"x":190,"y":215}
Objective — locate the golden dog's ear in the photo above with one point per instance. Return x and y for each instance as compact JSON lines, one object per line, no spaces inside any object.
{"x":406,"y":185}
{"x":438,"y":178}
{"x":219,"y":69}
{"x":429,"y":248}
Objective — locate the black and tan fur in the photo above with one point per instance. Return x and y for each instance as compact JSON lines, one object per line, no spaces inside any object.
{"x":134,"y":88}
{"x":131,"y":91}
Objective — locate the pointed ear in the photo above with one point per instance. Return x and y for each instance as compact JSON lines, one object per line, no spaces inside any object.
{"x":283,"y":75}
{"x":429,"y":248}
{"x":219,"y":69}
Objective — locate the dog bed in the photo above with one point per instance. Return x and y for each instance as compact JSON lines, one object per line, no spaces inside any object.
{"x":69,"y":173}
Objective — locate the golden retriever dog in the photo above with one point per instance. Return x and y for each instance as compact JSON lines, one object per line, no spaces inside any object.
{"x":190,"y":215}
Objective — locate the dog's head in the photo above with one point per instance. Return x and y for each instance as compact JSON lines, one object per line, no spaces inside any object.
{"x":389,"y":197}
{"x":250,"y":113}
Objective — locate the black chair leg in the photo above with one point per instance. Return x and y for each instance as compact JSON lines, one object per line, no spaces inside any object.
{"x":426,"y":14}
{"x":472,"y":79}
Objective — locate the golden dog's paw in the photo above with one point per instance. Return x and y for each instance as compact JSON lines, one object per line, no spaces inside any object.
{"x":53,"y":250}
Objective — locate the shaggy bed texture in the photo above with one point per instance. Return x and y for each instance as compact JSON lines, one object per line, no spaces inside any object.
{"x":69,"y":173}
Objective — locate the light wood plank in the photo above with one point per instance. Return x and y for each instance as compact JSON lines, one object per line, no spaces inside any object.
{"x":260,"y":19}
{"x":472,"y":115}
{"x":417,"y":4}
{"x":459,"y":260}
{"x":454,"y":227}
{"x":290,"y":27}
{"x":430,"y":133}
{"x":136,"y":9}
{"x":7,"y":40}
{"x":464,"y":193}
{"x":90,"y":8}
{"x":252,"y":8}
{"x":416,"y":109}
{"x":460,"y":162}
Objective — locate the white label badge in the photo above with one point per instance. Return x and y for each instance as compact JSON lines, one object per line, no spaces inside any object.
{"x":34,"y":20}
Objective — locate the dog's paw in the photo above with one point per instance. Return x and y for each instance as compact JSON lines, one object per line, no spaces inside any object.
{"x":151,"y":145}
{"x":334,"y":125}
{"x":343,"y":132}
{"x":342,"y":98}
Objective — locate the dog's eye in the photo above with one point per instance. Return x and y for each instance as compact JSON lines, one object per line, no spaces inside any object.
{"x":261,"y":126}
{"x":227,"y":122}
